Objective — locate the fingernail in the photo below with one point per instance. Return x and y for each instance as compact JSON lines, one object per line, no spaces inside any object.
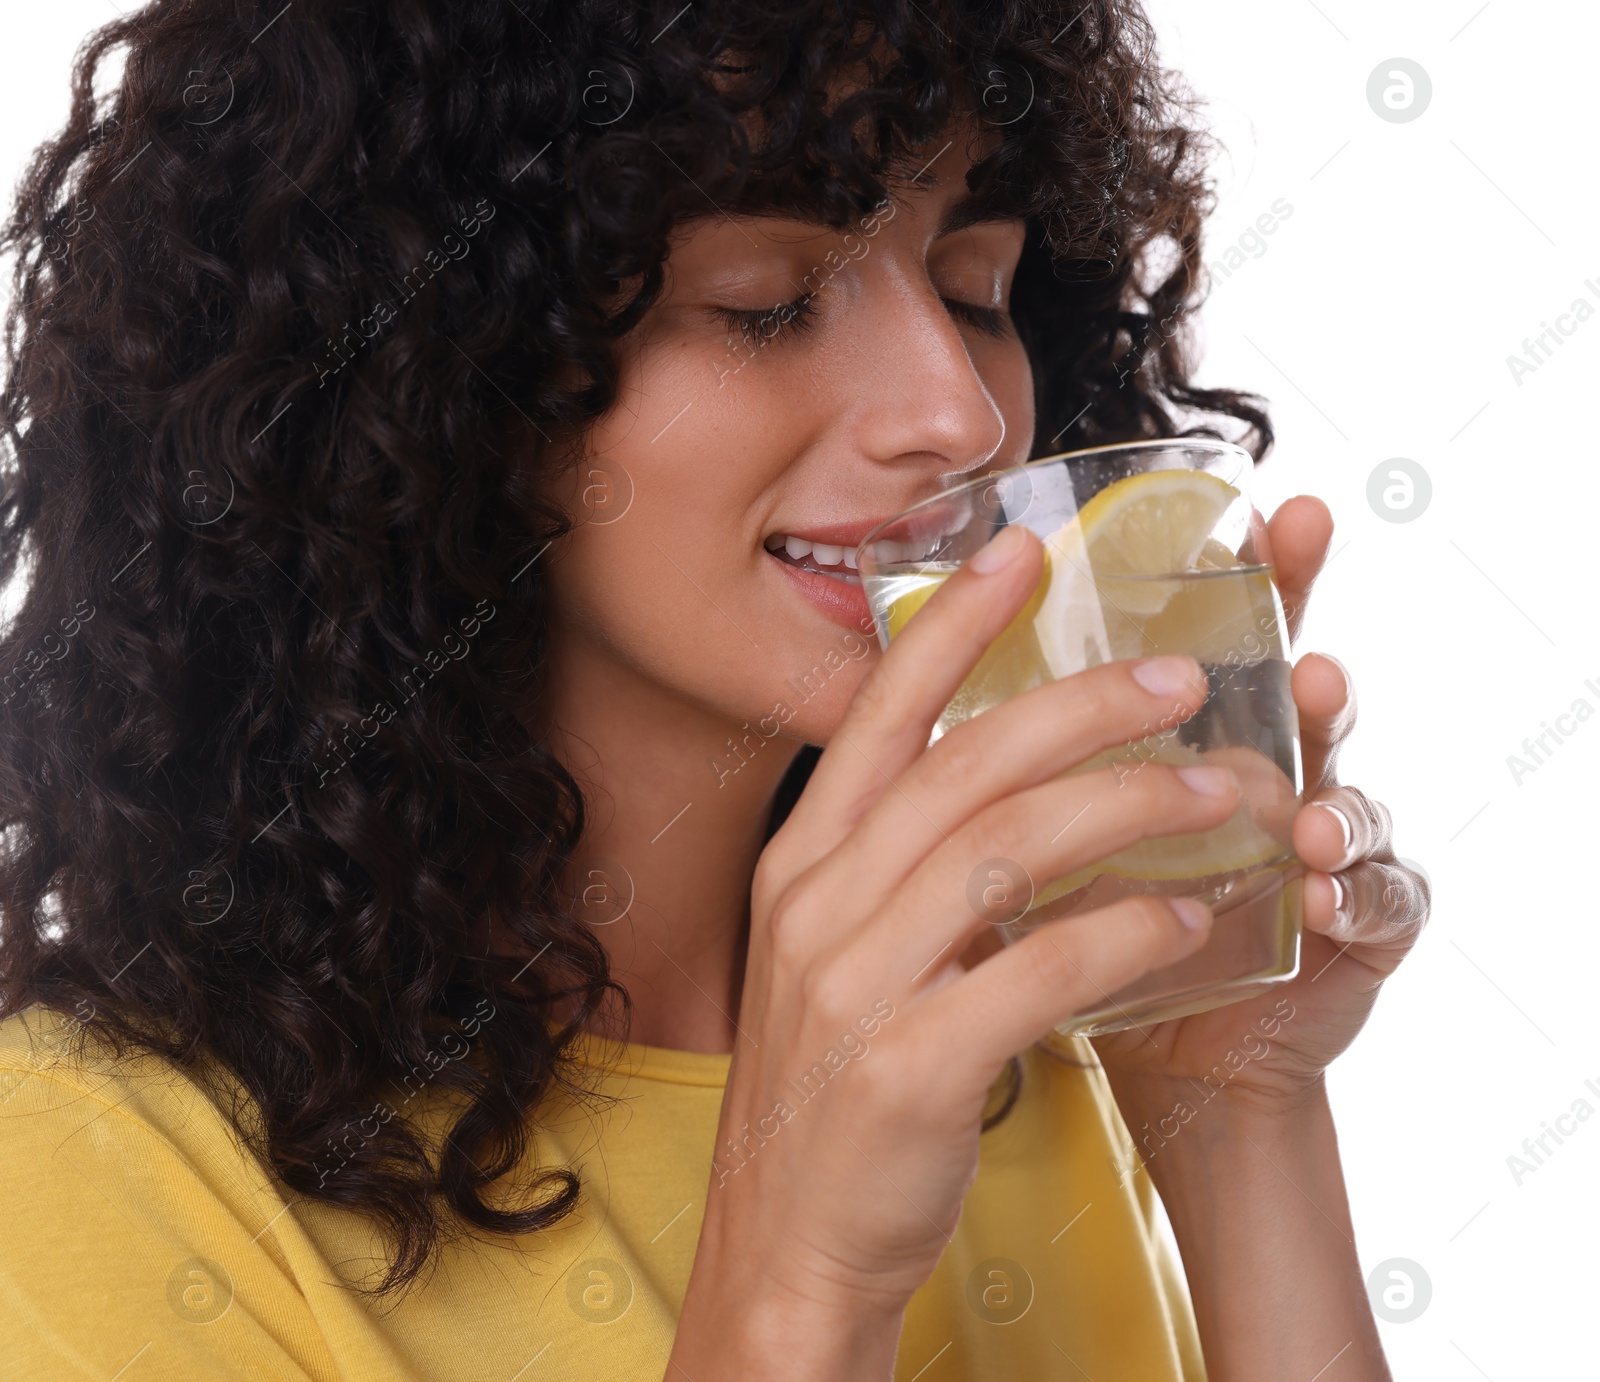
{"x":1209,"y":782}
{"x":1167,"y":676}
{"x":1345,"y":828}
{"x":1195,"y":916}
{"x":1341,"y":896}
{"x":1000,"y":551}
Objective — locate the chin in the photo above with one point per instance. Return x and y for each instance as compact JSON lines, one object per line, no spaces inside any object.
{"x":816,"y":708}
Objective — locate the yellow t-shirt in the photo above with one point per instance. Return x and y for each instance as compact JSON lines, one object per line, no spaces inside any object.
{"x":138,"y":1242}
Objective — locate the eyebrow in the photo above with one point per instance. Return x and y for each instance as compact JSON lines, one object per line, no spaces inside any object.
{"x":970,"y":210}
{"x":967,"y":209}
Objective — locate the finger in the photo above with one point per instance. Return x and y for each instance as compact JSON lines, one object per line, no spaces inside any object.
{"x":892,"y":714}
{"x":1326,"y":699}
{"x":1299,"y":535}
{"x":1340,"y":827}
{"x":1271,"y":798}
{"x":1011,"y":747}
{"x":1377,"y":904}
{"x":1013,"y":998}
{"x":996,"y":864}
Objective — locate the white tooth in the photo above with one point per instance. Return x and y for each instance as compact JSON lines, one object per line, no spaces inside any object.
{"x":826,"y":554}
{"x":850,"y":558}
{"x":796,"y":547}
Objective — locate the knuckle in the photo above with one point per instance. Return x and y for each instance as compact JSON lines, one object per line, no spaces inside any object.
{"x":958,"y":759}
{"x":772,"y":867}
{"x":1004,"y":830}
{"x":1371,"y":815}
{"x":828,"y":996}
{"x":787,"y":932}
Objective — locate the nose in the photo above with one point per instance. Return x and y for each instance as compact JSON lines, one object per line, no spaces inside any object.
{"x":918,"y":395}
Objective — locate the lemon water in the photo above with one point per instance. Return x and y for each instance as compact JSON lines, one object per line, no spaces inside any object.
{"x":1231,"y":621}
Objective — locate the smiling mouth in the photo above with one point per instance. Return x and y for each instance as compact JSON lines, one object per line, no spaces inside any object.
{"x":820,"y":558}
{"x":839,"y":561}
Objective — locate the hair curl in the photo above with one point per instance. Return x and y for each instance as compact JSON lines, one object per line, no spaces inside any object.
{"x":301,"y":308}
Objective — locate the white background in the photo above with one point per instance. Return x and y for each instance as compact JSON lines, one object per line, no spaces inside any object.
{"x":1379,"y":321}
{"x":1379,"y":318}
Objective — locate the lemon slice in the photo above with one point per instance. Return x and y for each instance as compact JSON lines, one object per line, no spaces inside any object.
{"x":1072,"y":623}
{"x":1113,"y":554}
{"x":1140,"y":529}
{"x":1155,"y":522}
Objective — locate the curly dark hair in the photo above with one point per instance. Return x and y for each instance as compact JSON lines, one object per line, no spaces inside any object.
{"x":306,"y":311}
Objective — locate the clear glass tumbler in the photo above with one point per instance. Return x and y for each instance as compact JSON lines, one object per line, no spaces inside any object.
{"x":1151,"y":547}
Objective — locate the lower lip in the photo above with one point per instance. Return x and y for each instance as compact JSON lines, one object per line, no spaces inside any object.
{"x":844,"y":602}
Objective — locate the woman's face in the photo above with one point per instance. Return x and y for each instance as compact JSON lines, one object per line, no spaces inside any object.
{"x":751,"y":449}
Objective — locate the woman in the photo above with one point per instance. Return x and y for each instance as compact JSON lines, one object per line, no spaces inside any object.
{"x":432,"y":427}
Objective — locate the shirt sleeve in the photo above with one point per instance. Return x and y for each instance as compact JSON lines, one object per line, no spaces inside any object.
{"x":121,"y":1257}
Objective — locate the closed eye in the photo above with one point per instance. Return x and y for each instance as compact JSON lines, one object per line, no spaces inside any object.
{"x":758,"y":326}
{"x":989,"y":320}
{"x":762,"y":324}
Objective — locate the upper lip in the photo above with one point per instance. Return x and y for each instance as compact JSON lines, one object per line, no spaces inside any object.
{"x":833,"y":534}
{"x":927,"y":525}
{"x":934,"y":520}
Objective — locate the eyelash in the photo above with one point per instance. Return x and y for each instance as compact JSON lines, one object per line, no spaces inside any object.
{"x":794,"y":317}
{"x":790,"y":318}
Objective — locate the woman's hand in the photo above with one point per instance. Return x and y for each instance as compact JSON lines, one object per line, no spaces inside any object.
{"x":866,"y":1052}
{"x":1363,"y":909}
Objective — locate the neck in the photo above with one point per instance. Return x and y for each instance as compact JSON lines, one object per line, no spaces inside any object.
{"x":685,"y":817}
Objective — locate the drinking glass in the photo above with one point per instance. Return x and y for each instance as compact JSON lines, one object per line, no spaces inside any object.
{"x":1151,"y":547}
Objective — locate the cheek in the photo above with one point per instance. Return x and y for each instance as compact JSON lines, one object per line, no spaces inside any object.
{"x":668,"y":577}
{"x":644,"y":581}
